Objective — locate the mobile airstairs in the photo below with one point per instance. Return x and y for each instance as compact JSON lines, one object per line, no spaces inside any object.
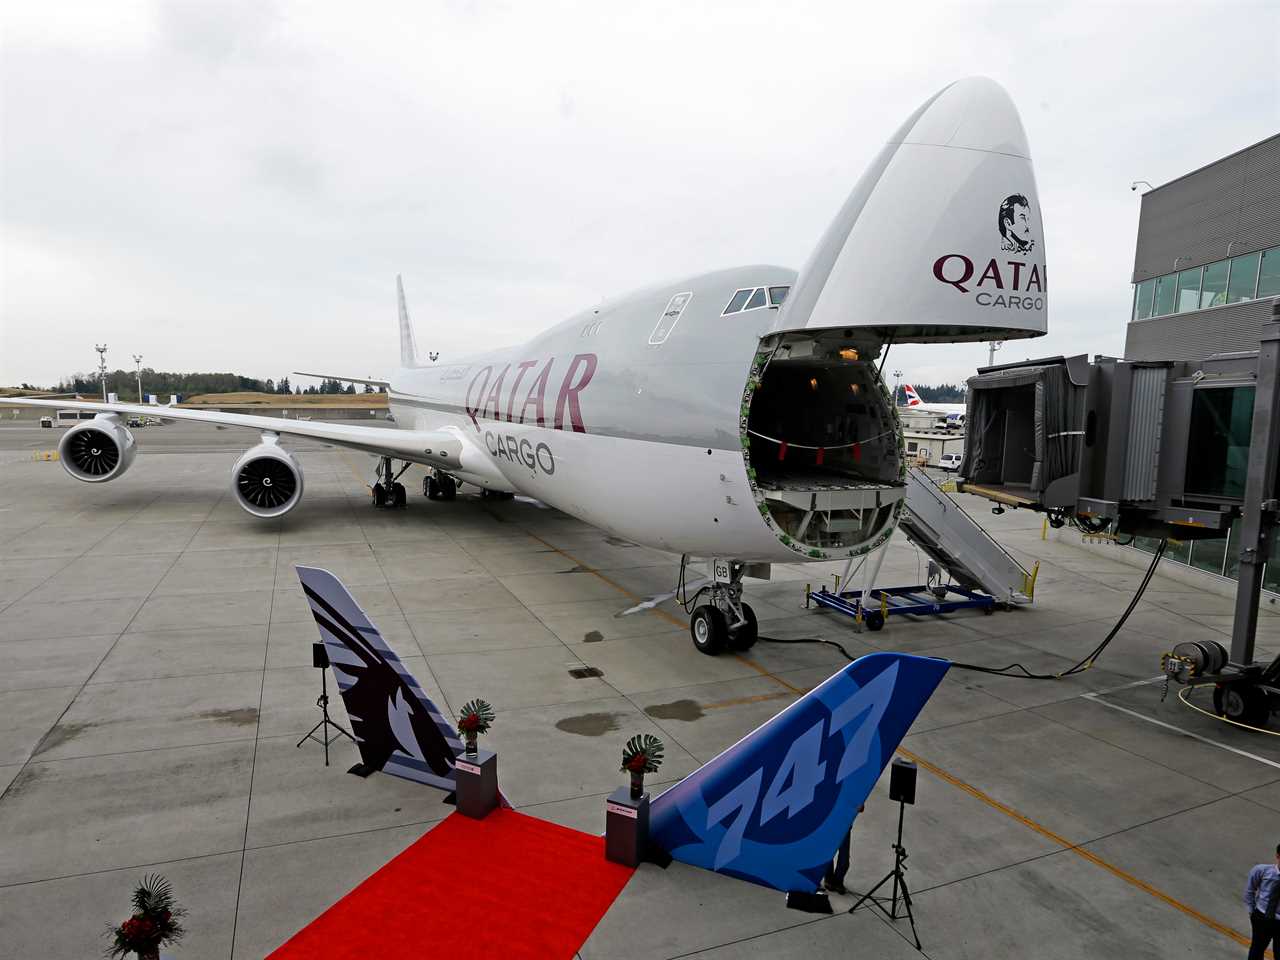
{"x":983,"y":574}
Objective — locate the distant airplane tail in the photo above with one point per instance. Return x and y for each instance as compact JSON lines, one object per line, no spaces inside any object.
{"x":408,"y":346}
{"x":397,"y":728}
{"x":774,"y":807}
{"x":913,"y":398}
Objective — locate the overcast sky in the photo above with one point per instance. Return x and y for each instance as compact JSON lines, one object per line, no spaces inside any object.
{"x":234,"y":186}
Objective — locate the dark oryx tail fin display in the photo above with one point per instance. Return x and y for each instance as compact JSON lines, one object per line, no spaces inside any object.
{"x":397,"y":727}
{"x":775,"y":806}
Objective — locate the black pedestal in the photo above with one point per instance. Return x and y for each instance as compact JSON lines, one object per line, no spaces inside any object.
{"x":477,"y":783}
{"x":626,"y":827}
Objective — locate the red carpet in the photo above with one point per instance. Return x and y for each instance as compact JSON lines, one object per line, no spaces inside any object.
{"x":507,"y":886}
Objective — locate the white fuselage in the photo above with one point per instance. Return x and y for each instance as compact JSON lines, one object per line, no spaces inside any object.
{"x":630,"y":427}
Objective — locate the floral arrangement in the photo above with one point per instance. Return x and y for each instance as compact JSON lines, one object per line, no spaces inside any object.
{"x":476,"y":717}
{"x":642,"y":754}
{"x":155,"y":921}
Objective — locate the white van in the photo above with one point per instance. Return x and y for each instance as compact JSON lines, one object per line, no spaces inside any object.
{"x":950,"y":461}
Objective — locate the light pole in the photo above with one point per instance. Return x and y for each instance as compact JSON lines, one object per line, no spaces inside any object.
{"x":992,"y":347}
{"x":137,"y":359}
{"x":897,"y":379}
{"x":102,"y":367}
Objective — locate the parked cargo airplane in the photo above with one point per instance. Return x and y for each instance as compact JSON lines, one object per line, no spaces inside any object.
{"x":737,"y":416}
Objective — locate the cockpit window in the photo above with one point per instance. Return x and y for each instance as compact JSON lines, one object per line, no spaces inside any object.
{"x":753,"y":298}
{"x":738,"y":302}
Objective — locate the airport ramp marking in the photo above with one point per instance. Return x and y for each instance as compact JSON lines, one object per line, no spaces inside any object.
{"x":1093,"y":697}
{"x":1089,"y":855}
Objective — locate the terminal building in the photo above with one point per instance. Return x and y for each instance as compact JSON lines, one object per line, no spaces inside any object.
{"x":1205,"y":272}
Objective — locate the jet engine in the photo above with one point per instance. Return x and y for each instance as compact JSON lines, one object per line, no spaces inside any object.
{"x":97,"y":450}
{"x":266,"y":481}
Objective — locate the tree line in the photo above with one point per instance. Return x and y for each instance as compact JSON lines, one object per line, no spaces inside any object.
{"x":125,"y":384}
{"x":942,"y":393}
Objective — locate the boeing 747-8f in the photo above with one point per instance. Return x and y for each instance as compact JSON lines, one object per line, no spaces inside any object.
{"x":737,"y":416}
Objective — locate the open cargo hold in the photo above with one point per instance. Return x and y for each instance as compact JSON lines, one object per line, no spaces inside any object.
{"x":823,"y":445}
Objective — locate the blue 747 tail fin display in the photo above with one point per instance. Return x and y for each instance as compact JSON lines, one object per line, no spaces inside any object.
{"x":397,"y":727}
{"x":775,"y":806}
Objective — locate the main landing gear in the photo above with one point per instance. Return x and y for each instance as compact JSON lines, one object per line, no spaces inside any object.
{"x":439,"y":486}
{"x":388,"y":491}
{"x":725,"y":621}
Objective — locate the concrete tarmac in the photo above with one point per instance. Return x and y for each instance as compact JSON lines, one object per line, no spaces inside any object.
{"x":155,"y":676}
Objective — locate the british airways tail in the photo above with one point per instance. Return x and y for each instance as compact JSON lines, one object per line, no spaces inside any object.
{"x":774,"y":807}
{"x":397,"y":728}
{"x":913,"y":398}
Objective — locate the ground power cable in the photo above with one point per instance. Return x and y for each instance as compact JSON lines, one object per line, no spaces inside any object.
{"x":1007,"y":671}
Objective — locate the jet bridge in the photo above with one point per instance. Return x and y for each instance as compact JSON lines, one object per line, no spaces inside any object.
{"x":942,"y":529}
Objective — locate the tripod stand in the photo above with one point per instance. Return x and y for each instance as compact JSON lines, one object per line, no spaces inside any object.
{"x":898,"y":876}
{"x":320,"y":659}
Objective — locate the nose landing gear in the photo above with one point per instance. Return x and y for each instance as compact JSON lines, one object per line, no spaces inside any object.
{"x":725,"y":622}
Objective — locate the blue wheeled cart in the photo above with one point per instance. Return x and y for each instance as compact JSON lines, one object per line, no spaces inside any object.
{"x":923,"y":600}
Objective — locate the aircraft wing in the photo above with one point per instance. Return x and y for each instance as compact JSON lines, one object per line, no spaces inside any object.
{"x":435,"y":447}
{"x":330,"y":376}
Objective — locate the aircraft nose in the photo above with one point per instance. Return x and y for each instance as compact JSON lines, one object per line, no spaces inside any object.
{"x":975,"y":113}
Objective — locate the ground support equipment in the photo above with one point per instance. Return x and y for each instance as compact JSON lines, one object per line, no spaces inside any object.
{"x":914,"y":601}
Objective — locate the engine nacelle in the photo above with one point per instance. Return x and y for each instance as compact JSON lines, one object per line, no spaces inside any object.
{"x":97,"y":450}
{"x":266,"y":481}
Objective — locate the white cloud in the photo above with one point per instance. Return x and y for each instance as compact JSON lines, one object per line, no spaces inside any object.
{"x":235,"y":186}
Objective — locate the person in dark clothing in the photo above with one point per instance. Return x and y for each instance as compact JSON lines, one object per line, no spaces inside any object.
{"x":834,"y":879}
{"x":1261,"y":898}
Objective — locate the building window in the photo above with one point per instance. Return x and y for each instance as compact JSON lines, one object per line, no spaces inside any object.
{"x":1179,"y":550}
{"x":1213,"y":289}
{"x":1164,"y":295}
{"x":1244,"y":278}
{"x":1142,"y":299}
{"x":1208,"y":555}
{"x":1189,"y":290}
{"x":1269,"y":275}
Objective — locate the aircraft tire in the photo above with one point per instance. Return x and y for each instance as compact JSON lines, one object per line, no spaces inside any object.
{"x":708,"y":629}
{"x":399,"y":499}
{"x":448,"y":488}
{"x":379,"y":495}
{"x":744,"y":638}
{"x":1242,"y":704}
{"x":431,"y":488}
